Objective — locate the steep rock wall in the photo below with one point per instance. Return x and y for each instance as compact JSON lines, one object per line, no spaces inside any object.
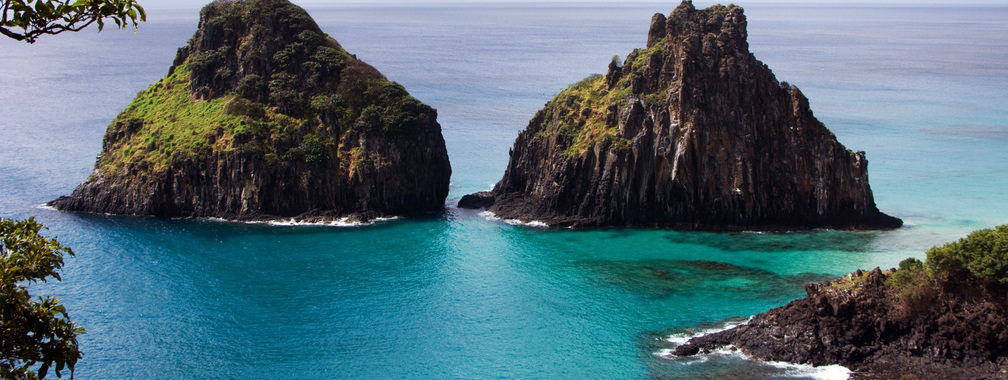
{"x":691,"y":132}
{"x":263,"y":115}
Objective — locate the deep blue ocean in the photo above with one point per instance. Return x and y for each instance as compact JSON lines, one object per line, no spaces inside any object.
{"x":922,"y":89}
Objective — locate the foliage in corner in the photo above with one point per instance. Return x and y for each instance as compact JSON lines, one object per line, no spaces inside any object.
{"x":27,"y":20}
{"x":35,"y":334}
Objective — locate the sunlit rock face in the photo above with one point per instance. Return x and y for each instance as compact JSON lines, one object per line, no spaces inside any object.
{"x":692,"y":132}
{"x":262,"y":115}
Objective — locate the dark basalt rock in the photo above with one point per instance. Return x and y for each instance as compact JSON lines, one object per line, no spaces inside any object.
{"x":262,"y":115}
{"x":690,"y":133}
{"x":478,"y":200}
{"x":954,"y":328}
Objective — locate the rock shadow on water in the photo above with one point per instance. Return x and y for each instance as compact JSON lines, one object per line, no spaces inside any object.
{"x":660,"y":279}
{"x":827,"y":240}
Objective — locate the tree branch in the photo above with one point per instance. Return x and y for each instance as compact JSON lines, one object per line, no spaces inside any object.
{"x":11,"y":34}
{"x":75,"y":16}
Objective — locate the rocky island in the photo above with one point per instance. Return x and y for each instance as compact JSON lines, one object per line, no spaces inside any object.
{"x":943,"y":318}
{"x":691,"y":132}
{"x":264,"y":116}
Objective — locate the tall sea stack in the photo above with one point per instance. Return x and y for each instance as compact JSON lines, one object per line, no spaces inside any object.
{"x":262,"y":115}
{"x":692,"y":133}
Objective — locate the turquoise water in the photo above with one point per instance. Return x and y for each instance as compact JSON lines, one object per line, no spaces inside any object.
{"x":922,"y":89}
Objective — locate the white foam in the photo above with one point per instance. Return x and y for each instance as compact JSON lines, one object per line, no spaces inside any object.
{"x":514,"y":222}
{"x":665,"y":353}
{"x":669,"y":353}
{"x":726,"y":351}
{"x":681,"y":338}
{"x":341,"y":222}
{"x":826,"y":372}
{"x":292,"y":222}
{"x":46,"y":207}
{"x":534,"y":223}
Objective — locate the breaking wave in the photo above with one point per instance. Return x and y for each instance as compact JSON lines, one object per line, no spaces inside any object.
{"x":514,"y":222}
{"x":789,"y":370}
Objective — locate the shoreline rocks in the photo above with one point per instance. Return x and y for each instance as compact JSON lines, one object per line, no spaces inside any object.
{"x":953,"y":329}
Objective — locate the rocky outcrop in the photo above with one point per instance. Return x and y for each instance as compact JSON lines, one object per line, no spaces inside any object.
{"x":951,"y":328}
{"x":691,"y":132}
{"x":262,"y":115}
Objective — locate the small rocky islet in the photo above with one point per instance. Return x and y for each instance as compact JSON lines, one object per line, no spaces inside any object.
{"x":691,"y":132}
{"x":264,"y":116}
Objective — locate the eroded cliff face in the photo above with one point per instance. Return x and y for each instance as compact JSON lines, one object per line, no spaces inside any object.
{"x":263,"y":115}
{"x":691,"y":132}
{"x":951,"y":328}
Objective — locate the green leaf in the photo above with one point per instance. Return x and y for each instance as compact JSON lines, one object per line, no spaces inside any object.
{"x":34,"y":332}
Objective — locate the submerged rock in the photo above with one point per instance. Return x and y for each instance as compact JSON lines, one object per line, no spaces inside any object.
{"x":263,"y":115}
{"x":658,"y":278}
{"x":692,"y":133}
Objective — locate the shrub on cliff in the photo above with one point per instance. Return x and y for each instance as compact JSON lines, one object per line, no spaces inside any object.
{"x":983,"y":253}
{"x":909,"y":278}
{"x":913,"y":286}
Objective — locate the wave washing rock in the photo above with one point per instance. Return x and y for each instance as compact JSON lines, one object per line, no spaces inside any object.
{"x":954,"y":328}
{"x":690,"y":133}
{"x":262,"y":115}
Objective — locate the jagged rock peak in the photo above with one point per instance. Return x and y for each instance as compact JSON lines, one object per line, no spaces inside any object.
{"x":262,"y":115}
{"x":263,"y":50}
{"x":726,"y":22}
{"x":691,"y":132}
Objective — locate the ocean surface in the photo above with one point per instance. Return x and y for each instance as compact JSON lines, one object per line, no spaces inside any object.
{"x":922,"y":89}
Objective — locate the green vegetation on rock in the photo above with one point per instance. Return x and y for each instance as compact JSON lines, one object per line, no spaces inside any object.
{"x":849,"y":282}
{"x":909,"y":279}
{"x":193,"y":112}
{"x":163,"y":123}
{"x":586,"y":111}
{"x":579,"y":112}
{"x":721,"y":9}
{"x":983,"y":254}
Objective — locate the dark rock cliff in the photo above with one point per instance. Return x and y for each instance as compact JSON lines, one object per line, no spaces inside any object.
{"x":691,"y":133}
{"x":262,"y":115}
{"x":953,"y":328}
